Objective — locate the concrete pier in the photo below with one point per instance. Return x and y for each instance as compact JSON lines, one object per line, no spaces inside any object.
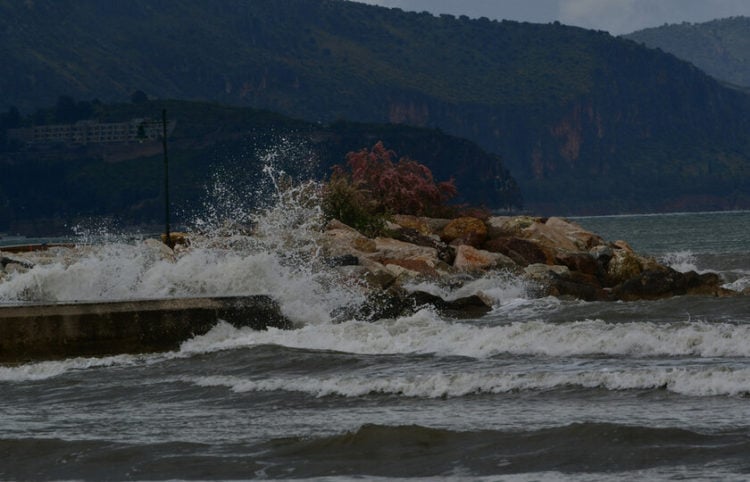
{"x":64,"y":330}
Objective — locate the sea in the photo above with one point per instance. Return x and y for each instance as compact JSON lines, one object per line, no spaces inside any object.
{"x":537,"y":389}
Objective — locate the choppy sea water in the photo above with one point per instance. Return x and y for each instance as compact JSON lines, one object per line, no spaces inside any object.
{"x":539,"y":389}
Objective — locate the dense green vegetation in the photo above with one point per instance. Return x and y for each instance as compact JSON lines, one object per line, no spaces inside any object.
{"x":719,"y":47}
{"x":217,"y":154}
{"x":585,"y":122}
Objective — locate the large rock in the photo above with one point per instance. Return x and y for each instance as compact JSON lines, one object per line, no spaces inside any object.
{"x":413,"y":268}
{"x":394,"y":303}
{"x":413,"y":222}
{"x":559,"y":281}
{"x":584,"y":240}
{"x":522,"y":251}
{"x":466,"y":230}
{"x":389,"y":248}
{"x":582,"y":262}
{"x":470,"y":259}
{"x":625,"y":264}
{"x":445,"y":252}
{"x":507,"y":226}
{"x":339,"y":240}
{"x":467,"y":307}
{"x":376,"y":275}
{"x":549,"y":238}
{"x":651,"y":285}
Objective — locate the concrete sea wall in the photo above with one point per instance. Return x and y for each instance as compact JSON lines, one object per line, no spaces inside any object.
{"x":56,"y":331}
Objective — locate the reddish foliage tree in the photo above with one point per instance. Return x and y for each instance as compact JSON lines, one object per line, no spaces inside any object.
{"x":403,"y":187}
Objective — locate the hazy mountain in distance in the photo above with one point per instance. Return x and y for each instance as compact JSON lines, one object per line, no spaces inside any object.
{"x":719,"y":47}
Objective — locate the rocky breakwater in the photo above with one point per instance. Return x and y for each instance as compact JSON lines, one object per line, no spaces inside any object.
{"x":555,"y":256}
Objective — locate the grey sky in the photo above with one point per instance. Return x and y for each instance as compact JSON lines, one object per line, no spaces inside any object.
{"x":615,"y":16}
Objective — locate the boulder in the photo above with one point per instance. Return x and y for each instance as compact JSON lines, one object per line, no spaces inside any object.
{"x":543,"y":277}
{"x":445,"y":252}
{"x":376,"y":275}
{"x":544,"y":272}
{"x":559,"y":281}
{"x":602,"y":254}
{"x":394,"y":303}
{"x":651,"y":285}
{"x":582,"y":262}
{"x":467,"y":307}
{"x":580,"y":290}
{"x":339,"y":240}
{"x":584,"y":240}
{"x":706,"y":284}
{"x":623,"y":266}
{"x":548,"y":238}
{"x":469,"y":258}
{"x":466,"y":230}
{"x":411,"y":267}
{"x":389,"y":248}
{"x":506,"y":226}
{"x":522,"y":251}
{"x":415,"y":223}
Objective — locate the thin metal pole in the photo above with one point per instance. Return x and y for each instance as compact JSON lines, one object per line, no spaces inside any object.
{"x":168,"y":237}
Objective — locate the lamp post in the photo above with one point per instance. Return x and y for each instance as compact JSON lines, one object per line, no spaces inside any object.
{"x":167,"y":236}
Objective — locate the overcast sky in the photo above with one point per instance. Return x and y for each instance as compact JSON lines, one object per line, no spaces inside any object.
{"x":615,"y":16}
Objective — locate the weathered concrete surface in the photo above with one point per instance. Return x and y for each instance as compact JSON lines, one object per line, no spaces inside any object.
{"x":48,"y":332}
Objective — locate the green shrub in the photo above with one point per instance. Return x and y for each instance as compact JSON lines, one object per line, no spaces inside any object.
{"x":352,"y":205}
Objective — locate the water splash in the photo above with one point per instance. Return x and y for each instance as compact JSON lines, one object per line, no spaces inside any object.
{"x":251,"y":238}
{"x":257,"y":234}
{"x":682,"y":261}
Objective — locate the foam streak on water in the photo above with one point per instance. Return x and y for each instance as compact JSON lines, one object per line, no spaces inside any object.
{"x":424,"y":333}
{"x":685,"y":381}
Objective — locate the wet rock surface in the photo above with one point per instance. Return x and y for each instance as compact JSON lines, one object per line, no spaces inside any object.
{"x":558,"y":257}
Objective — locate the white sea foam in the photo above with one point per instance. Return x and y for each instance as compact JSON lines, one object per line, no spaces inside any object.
{"x":280,"y":258}
{"x":425,"y":333}
{"x":741,"y":281}
{"x":682,"y":261}
{"x":500,"y":288}
{"x":50,"y":369}
{"x":709,"y":381}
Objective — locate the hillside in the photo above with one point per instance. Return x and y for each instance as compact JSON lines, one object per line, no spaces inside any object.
{"x":586,"y":123}
{"x":720,"y":47}
{"x":217,"y":155}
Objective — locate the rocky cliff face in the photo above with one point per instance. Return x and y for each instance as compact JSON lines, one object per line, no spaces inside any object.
{"x":599,"y":155}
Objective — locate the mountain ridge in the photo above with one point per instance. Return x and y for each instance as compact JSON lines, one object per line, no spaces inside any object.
{"x":720,"y":47}
{"x":587,"y":123}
